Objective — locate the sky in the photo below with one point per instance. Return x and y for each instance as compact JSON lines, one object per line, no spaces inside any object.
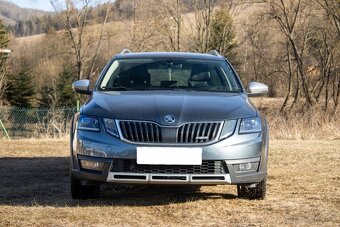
{"x":40,"y":4}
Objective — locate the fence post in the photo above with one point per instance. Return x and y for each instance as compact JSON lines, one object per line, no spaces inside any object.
{"x":78,"y":105}
{"x":3,"y":127}
{"x":56,"y":127}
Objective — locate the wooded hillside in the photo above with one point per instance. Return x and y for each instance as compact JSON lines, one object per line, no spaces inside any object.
{"x":10,"y":13}
{"x":291,"y":45}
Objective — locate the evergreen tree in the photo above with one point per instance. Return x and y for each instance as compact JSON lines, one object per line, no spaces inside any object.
{"x":29,"y":28}
{"x":46,"y":97}
{"x":20,"y":90}
{"x":3,"y":57}
{"x":65,"y":94}
{"x":19,"y":28}
{"x":222,"y":34}
{"x":3,"y":44}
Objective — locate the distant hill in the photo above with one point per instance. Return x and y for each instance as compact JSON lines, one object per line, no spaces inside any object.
{"x":26,"y":22}
{"x":10,"y":13}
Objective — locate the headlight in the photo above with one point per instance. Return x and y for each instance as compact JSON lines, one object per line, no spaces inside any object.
{"x":110,"y":126}
{"x":228,"y":129}
{"x":250,"y":125}
{"x":88,"y":123}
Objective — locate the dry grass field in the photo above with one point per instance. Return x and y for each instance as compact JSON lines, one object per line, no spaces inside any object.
{"x":304,"y":180}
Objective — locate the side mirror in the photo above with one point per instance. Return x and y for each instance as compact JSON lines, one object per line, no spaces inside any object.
{"x":257,"y":89}
{"x":82,"y":87}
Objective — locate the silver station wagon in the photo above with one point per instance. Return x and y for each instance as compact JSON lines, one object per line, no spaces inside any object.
{"x":169,"y":118}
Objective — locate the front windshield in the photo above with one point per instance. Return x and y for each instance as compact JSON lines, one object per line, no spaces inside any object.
{"x":158,"y":74}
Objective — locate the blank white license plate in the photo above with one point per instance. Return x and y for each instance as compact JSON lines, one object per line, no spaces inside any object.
{"x":169,"y":156}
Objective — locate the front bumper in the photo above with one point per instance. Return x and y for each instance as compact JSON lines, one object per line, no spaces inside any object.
{"x":231,"y":177}
{"x":226,"y":177}
{"x":234,"y":150}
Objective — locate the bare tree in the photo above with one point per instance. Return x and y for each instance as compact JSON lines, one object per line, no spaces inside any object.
{"x":332,"y":8}
{"x":261,"y":61}
{"x":154,"y":23}
{"x":75,"y":22}
{"x":202,"y":24}
{"x":304,"y":52}
{"x":148,"y":27}
{"x":329,"y":53}
{"x":174,"y":9}
{"x":101,"y":36}
{"x":287,"y":14}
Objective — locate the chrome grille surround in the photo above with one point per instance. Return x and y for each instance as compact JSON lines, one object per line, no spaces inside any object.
{"x":202,"y":132}
{"x":148,"y":132}
{"x":140,"y":132}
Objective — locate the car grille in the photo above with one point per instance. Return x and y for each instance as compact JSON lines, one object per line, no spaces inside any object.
{"x":131,"y":166}
{"x":150,"y":132}
{"x":198,"y":132}
{"x":142,"y":132}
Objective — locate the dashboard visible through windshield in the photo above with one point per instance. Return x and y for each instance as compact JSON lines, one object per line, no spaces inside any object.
{"x":167,"y":74}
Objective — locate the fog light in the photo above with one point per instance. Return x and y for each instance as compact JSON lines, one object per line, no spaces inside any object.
{"x":246,"y":167}
{"x":92,"y":165}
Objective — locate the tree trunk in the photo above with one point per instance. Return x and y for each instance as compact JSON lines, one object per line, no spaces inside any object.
{"x":290,"y":83}
{"x":297,"y":91}
{"x":336,"y":101}
{"x":301,"y":70}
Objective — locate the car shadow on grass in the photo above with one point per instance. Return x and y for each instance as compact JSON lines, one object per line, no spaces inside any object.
{"x":45,"y":181}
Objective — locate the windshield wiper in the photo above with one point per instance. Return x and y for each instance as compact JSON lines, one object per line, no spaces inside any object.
{"x":119,"y":88}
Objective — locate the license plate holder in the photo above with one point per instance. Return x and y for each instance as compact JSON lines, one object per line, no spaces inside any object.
{"x":169,"y":156}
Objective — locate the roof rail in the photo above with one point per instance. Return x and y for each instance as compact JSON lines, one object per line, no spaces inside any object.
{"x":125,"y":51}
{"x":214,"y":52}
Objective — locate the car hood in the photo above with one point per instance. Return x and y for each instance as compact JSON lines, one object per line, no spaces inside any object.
{"x":185,"y":106}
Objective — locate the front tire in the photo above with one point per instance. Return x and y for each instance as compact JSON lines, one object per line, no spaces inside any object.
{"x":257,"y":192}
{"x":79,"y":191}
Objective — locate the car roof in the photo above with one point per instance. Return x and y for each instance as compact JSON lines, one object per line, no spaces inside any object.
{"x":171,"y":55}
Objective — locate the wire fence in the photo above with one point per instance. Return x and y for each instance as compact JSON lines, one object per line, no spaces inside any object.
{"x":35,"y":122}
